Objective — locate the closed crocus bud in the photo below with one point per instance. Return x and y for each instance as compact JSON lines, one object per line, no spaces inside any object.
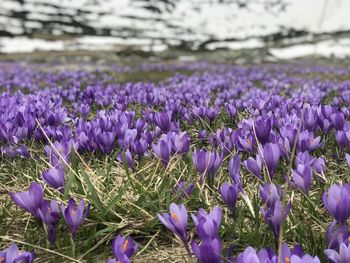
{"x":84,"y":110}
{"x":337,"y":202}
{"x":270,"y":154}
{"x":275,"y":216}
{"x":13,"y":255}
{"x":319,"y":165}
{"x":127,"y":158}
{"x":234,"y":169}
{"x":254,"y":166}
{"x":202,"y":134}
{"x":206,"y":162}
{"x":211,"y":113}
{"x":54,"y":177}
{"x":73,"y":215}
{"x":30,"y":200}
{"x":232,"y":111}
{"x":163,"y":120}
{"x":229,"y":194}
{"x":208,"y":251}
{"x":342,"y":139}
{"x":106,"y":141}
{"x":338,"y":120}
{"x":176,"y":221}
{"x":183,"y":190}
{"x":302,"y":177}
{"x":163,"y":150}
{"x":262,"y":130}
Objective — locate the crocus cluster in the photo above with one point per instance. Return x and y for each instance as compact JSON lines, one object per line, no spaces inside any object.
{"x":48,"y":212}
{"x":274,"y":211}
{"x":267,"y":118}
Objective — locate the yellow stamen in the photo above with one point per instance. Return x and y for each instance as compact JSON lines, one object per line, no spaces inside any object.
{"x":125,"y":245}
{"x":72,"y":212}
{"x":287,"y":259}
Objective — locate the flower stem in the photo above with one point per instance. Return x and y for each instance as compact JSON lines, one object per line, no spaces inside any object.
{"x":72,"y":245}
{"x":188,"y":249}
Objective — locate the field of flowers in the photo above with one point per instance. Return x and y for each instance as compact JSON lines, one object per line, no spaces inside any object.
{"x":189,"y":162}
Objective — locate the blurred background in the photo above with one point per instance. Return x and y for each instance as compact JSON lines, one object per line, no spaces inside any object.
{"x":277,"y":29}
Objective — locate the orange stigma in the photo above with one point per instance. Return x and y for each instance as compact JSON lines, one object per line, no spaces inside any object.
{"x":72,"y":212}
{"x":125,"y":245}
{"x":174,"y":216}
{"x":287,"y":259}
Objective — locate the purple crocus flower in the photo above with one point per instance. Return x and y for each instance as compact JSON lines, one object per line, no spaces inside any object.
{"x":304,"y":259}
{"x":127,"y":158}
{"x":106,"y":141}
{"x":249,"y":255}
{"x":254,"y":166}
{"x":247,"y":144}
{"x":347,"y":157}
{"x":207,"y":225}
{"x":176,"y":222}
{"x":208,"y":251}
{"x":49,"y":215}
{"x":13,"y":255}
{"x":319,"y":165}
{"x":234,"y":168}
{"x":180,"y":142}
{"x":336,"y":235}
{"x":229,"y":194}
{"x":207,"y":163}
{"x":343,"y":256}
{"x":123,"y":248}
{"x":342,"y":139}
{"x":59,"y":152}
{"x":73,"y":215}
{"x":262,"y":130}
{"x":302,"y":177}
{"x":270,"y":194}
{"x":232,"y":111}
{"x":307,"y":141}
{"x":338,"y":120}
{"x":275,"y":215}
{"x":202,"y":134}
{"x":30,"y":200}
{"x":163,"y":120}
{"x":270,"y":154}
{"x":84,"y":110}
{"x":337,"y":202}
{"x":163,"y":150}
{"x":183,"y":190}
{"x":54,"y":177}
{"x":287,"y":253}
